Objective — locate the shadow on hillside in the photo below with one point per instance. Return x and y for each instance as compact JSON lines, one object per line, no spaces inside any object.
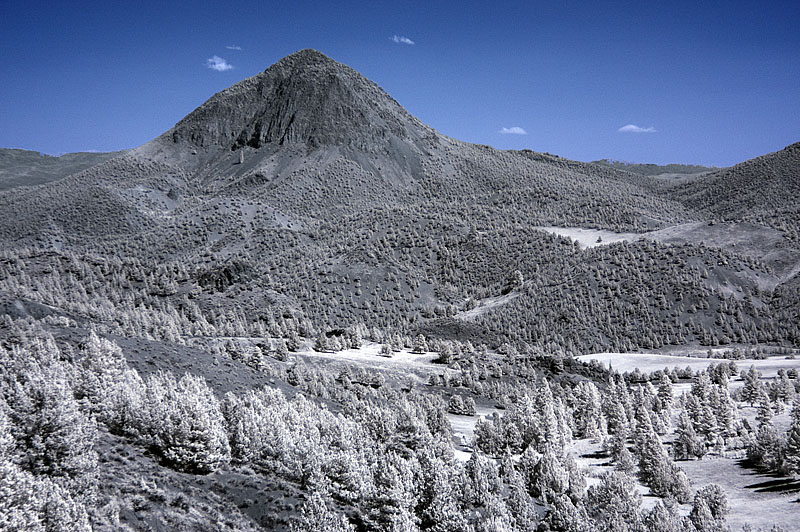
{"x":780,"y":484}
{"x":783,"y":485}
{"x":598,"y":454}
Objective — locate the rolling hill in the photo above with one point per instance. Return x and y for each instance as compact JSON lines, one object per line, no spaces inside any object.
{"x":28,"y":168}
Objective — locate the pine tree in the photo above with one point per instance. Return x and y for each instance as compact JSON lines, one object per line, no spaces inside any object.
{"x":767,"y":447}
{"x":420,"y":345}
{"x":437,"y":506}
{"x":791,"y":458}
{"x":665,"y":390}
{"x":764,"y":414}
{"x":710,"y":509}
{"x":185,"y":423}
{"x":521,"y":505}
{"x":57,"y":437}
{"x":322,"y":343}
{"x":752,"y":385}
{"x":657,"y":471}
{"x":550,"y":478}
{"x":687,"y":444}
{"x":662,"y":519}
{"x":37,"y":504}
{"x":20,"y":500}
{"x":483,"y":479}
{"x":388,"y":504}
{"x":282,"y":350}
{"x":625,"y":461}
{"x":7,"y":442}
{"x":565,"y":516}
{"x":315,"y":516}
{"x":615,"y":504}
{"x":496,"y":517}
{"x":725,"y":411}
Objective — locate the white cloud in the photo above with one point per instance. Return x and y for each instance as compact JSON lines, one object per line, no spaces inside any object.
{"x":399,"y":39}
{"x":630,"y":128}
{"x":233,"y":47}
{"x":514,"y":130}
{"x":217,"y":63}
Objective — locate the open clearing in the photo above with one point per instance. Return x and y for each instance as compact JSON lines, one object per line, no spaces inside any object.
{"x":648,"y":362}
{"x":589,"y":238}
{"x":485,"y":305}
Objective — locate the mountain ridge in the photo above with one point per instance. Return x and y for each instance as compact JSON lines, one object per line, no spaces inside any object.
{"x":281,"y":187}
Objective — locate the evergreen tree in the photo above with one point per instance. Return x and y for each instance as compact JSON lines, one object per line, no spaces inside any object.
{"x":56,"y":437}
{"x":687,"y":445}
{"x":388,"y":505}
{"x":437,"y":505}
{"x":791,"y":455}
{"x":550,"y":477}
{"x":752,"y":385}
{"x":725,"y":411}
{"x":315,"y":516}
{"x":764,"y":414}
{"x":282,"y":350}
{"x":657,"y":471}
{"x":710,"y":509}
{"x":615,"y":505}
{"x":665,"y":390}
{"x":587,"y":410}
{"x":625,"y":461}
{"x":565,"y":516}
{"x":663,"y":519}
{"x":20,"y":500}
{"x":420,"y":345}
{"x":496,"y":517}
{"x":185,"y":423}
{"x":483,"y":479}
{"x":322,"y":343}
{"x":521,"y":505}
{"x":767,"y":447}
{"x":37,"y":504}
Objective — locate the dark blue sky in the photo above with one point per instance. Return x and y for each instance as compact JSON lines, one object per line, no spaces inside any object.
{"x":719,"y":82}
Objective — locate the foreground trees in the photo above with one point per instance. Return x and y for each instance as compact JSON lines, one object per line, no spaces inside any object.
{"x":185,"y":424}
{"x":377,"y":458}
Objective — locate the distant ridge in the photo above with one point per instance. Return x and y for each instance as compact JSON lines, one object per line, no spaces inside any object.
{"x":655,"y":169}
{"x":27,"y":168}
{"x":764,"y":189}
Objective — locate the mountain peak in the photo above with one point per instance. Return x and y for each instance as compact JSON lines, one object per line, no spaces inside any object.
{"x":307,"y":56}
{"x":304,"y":98}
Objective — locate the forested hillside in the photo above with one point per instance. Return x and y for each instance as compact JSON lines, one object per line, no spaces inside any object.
{"x":303,"y":309}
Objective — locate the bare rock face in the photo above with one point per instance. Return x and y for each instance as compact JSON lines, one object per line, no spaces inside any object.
{"x":305,"y":98}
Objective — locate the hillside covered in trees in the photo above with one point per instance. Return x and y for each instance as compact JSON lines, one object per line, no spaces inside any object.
{"x":303,"y":309}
